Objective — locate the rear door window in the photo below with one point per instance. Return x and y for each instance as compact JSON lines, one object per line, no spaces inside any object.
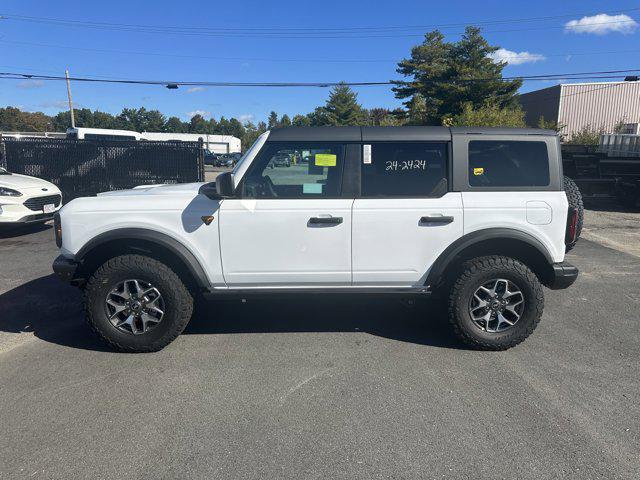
{"x":504,"y":163}
{"x":404,"y":169}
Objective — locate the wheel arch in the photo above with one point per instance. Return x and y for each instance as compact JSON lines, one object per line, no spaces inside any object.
{"x":143,"y":241}
{"x":494,"y":241}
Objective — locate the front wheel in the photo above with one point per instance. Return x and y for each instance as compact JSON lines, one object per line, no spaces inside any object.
{"x":137,"y":304}
{"x":495,"y":303}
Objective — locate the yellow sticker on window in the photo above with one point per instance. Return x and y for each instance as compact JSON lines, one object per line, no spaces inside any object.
{"x":478,"y":171}
{"x":325,"y":160}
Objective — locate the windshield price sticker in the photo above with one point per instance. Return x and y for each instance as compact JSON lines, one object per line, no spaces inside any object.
{"x":325,"y":160}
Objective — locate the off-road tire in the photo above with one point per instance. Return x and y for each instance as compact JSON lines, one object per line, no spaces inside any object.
{"x":475,"y":273}
{"x":178,"y":302}
{"x":575,"y":201}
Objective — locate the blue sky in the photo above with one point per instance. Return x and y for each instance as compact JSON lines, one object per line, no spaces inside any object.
{"x":555,"y":49}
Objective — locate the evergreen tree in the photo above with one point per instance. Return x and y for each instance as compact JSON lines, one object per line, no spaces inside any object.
{"x":285,"y":121}
{"x":175,"y":125}
{"x":417,"y":110}
{"x":448,"y":75}
{"x":342,"y":107}
{"x":301,"y":121}
{"x":198,"y":124}
{"x":273,"y":120}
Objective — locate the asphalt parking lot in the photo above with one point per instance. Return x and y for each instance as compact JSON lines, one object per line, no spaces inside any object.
{"x":338,"y":388}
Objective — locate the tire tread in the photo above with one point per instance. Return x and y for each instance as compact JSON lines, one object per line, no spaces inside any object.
{"x":125,"y":263}
{"x":493,"y":263}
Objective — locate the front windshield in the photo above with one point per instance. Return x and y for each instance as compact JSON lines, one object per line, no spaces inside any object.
{"x":247,"y":154}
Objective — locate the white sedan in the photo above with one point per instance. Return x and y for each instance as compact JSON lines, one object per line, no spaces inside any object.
{"x":26,"y":199}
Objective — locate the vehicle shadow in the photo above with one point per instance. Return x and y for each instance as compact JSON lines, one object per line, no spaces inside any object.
{"x":421,"y":321}
{"x":11,"y":231}
{"x":52,"y":310}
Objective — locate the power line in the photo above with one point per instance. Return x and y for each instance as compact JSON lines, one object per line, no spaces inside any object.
{"x":307,"y":29}
{"x":276,"y":60}
{"x":611,"y":74}
{"x":297,"y":33}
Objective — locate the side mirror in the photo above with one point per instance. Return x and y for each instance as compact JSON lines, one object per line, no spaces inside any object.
{"x":224,"y":184}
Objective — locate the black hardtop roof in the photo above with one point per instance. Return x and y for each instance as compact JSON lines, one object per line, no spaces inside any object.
{"x":385,"y":134}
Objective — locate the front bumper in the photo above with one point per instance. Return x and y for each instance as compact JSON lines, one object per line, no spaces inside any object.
{"x":65,"y":268}
{"x":564,"y":274}
{"x":19,"y":214}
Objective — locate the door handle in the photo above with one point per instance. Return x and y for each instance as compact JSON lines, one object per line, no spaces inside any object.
{"x":439,"y":219}
{"x":325,"y":220}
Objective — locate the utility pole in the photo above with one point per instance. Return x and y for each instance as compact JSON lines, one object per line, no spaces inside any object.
{"x":73,"y":120}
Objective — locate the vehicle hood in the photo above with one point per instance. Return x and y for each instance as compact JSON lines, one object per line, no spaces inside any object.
{"x":172,"y":189}
{"x":22,"y":182}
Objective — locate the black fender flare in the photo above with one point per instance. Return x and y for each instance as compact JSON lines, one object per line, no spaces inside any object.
{"x":437,"y":271}
{"x":181,"y":252}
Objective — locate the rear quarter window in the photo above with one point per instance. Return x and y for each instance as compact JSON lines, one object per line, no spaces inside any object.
{"x":504,"y":163}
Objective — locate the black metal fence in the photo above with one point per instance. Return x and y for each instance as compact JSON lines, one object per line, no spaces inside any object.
{"x":86,"y":167}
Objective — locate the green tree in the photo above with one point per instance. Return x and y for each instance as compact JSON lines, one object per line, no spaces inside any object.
{"x":175,"y":125}
{"x":318,"y":117}
{"x":103,"y":120}
{"x":13,"y":119}
{"x":272,"y":122}
{"x":417,"y":110}
{"x":236,"y":128}
{"x":198,"y":124}
{"x":488,"y":115}
{"x":285,"y":121}
{"x":251,"y":133}
{"x":587,"y":135}
{"x":301,"y":121}
{"x":151,"y":120}
{"x":552,"y":125}
{"x":450,"y":75}
{"x":342,"y":108}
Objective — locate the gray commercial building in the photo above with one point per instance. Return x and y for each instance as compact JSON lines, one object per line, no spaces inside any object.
{"x":577,"y":105}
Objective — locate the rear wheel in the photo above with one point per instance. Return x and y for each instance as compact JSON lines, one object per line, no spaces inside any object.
{"x":574,"y":197}
{"x":495,"y":303}
{"x":137,"y":304}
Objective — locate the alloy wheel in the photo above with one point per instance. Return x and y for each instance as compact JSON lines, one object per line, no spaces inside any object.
{"x":134,"y":306}
{"x":496,"y":305}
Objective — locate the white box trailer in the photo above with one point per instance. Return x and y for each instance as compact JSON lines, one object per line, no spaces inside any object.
{"x":212,"y":143}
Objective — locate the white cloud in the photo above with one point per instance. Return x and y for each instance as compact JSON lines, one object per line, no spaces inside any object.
{"x":602,"y":24}
{"x":26,"y":84}
{"x":203,"y":113}
{"x":59,"y":104}
{"x":245,"y":117}
{"x":195,"y":89}
{"x":515,"y":58}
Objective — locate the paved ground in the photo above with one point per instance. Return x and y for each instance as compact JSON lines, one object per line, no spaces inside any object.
{"x":613,"y":228}
{"x":340,"y":388}
{"x":211,"y":172}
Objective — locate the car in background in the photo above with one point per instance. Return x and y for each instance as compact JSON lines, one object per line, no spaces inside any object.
{"x":210,"y":158}
{"x":280,"y":161}
{"x":25,"y":199}
{"x":229,"y":159}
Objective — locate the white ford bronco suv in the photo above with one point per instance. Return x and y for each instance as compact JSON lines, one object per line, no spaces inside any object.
{"x":478,"y":215}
